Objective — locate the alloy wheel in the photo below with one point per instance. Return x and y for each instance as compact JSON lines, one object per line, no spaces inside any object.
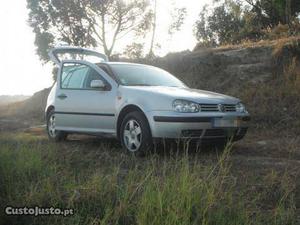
{"x":132,"y":135}
{"x":51,"y":126}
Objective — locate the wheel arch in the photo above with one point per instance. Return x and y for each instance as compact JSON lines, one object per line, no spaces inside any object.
{"x":50,"y":107}
{"x":127,"y":109}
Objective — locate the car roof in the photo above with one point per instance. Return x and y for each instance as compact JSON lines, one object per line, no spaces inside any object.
{"x":124,"y":63}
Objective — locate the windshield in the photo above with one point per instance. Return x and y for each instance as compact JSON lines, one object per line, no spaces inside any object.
{"x":142,"y":75}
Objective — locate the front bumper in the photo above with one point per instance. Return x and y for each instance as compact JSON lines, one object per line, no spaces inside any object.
{"x":166,"y":124}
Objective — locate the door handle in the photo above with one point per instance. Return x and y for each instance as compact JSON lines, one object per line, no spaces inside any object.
{"x":62,"y":96}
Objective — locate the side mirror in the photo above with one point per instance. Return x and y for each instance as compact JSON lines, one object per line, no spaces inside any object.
{"x":97,"y":84}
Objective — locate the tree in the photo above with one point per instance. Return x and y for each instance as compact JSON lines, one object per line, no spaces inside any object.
{"x":221,"y":26}
{"x":151,"y":54}
{"x":86,"y":23}
{"x":231,"y":21}
{"x":59,"y":20}
{"x":177,"y":19}
{"x":178,"y":15}
{"x":202,"y":32}
{"x":134,"y":50}
{"x":119,"y":16}
{"x":274,"y":12}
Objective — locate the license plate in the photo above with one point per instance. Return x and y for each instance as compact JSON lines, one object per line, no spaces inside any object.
{"x":226,"y":122}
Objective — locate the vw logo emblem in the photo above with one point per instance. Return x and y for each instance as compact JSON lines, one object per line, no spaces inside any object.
{"x":221,"y":108}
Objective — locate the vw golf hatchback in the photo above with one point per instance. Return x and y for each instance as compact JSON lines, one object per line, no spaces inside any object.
{"x":134,"y":103}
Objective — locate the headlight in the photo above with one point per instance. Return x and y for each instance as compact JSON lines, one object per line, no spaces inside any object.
{"x":185,"y":106}
{"x":240,"y":108}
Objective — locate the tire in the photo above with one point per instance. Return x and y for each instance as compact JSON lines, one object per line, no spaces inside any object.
{"x":135,"y":134}
{"x":54,"y":135}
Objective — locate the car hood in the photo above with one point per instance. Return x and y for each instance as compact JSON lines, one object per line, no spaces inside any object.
{"x":199,"y":96}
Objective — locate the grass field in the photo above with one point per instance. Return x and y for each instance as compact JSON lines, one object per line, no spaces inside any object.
{"x":180,"y":186}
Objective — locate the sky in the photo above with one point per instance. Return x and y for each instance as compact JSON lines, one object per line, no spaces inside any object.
{"x":23,"y":73}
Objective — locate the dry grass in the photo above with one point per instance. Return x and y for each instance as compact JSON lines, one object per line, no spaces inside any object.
{"x":105,"y":186}
{"x":277,"y":44}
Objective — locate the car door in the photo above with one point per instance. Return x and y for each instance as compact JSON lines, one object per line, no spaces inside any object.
{"x":78,"y":106}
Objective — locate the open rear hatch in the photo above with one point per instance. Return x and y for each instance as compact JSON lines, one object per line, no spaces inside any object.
{"x":66,"y":52}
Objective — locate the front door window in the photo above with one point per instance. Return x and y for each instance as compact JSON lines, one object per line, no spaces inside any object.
{"x":73,"y":76}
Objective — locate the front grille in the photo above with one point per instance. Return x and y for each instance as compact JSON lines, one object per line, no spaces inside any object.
{"x":191,"y":133}
{"x":209,"y":108}
{"x":217,"y":108}
{"x":214,"y":133}
{"x":230,"y":108}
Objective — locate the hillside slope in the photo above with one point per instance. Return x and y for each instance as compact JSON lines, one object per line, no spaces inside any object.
{"x":31,"y":109}
{"x":230,"y":69}
{"x":8,"y":99}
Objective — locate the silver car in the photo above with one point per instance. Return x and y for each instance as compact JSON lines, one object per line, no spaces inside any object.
{"x":134,"y":103}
